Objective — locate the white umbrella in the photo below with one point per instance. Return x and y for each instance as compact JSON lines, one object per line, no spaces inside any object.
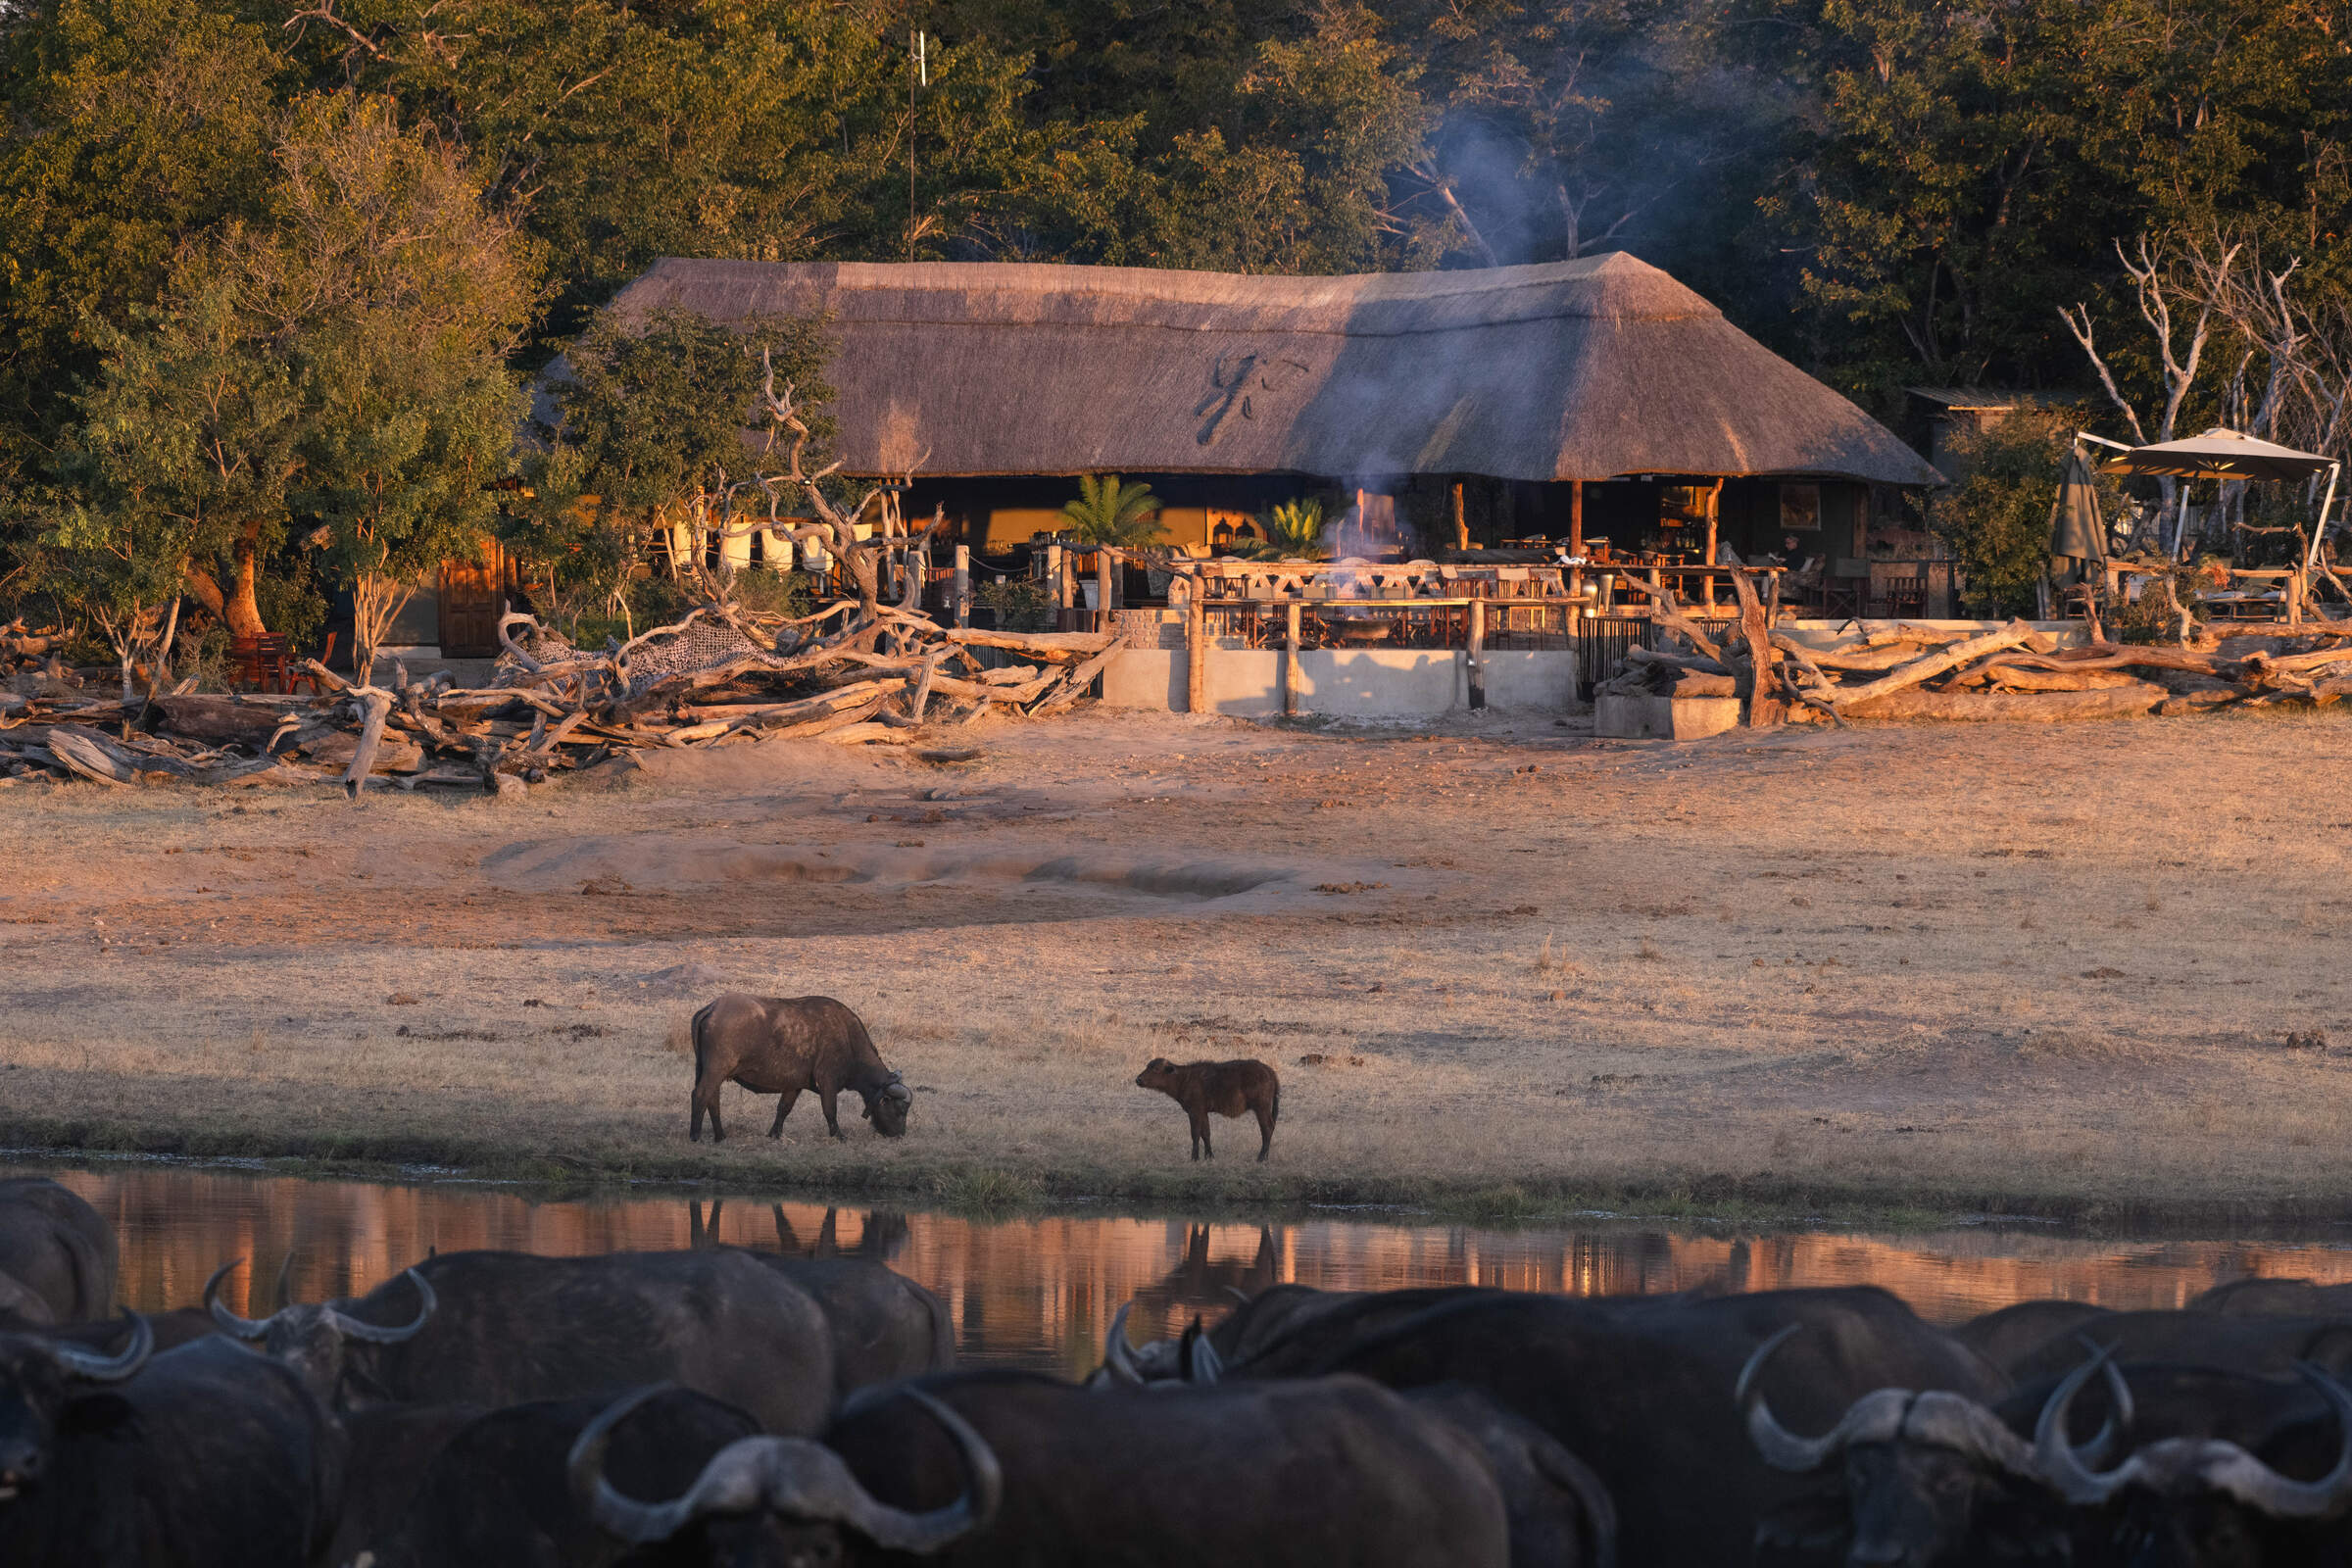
{"x":2223,"y":454}
{"x":2218,"y":454}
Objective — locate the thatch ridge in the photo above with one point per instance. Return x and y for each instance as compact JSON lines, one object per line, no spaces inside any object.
{"x":1589,"y":368}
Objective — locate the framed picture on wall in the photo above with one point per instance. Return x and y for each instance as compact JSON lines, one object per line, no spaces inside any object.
{"x":1800,"y":508}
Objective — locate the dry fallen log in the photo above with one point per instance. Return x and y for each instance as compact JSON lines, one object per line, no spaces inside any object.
{"x":1925,"y":669}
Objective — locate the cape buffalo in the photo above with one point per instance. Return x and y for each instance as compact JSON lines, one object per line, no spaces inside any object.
{"x":498,"y":1328}
{"x":2261,"y":1345}
{"x":1337,"y":1470}
{"x":2291,"y":1298}
{"x":1225,"y":1088}
{"x":202,"y":1457}
{"x":884,"y":1325}
{"x":57,"y":1255}
{"x":2212,"y":1481}
{"x":498,"y":1494}
{"x":782,"y":1044}
{"x":785,"y":1502}
{"x":1559,"y":1513}
{"x":392,"y":1447}
{"x":2009,"y":1335}
{"x":1641,"y":1390}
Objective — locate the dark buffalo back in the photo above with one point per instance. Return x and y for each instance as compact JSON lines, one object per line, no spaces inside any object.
{"x":515,"y":1326}
{"x":496,"y":1494}
{"x":1642,"y":1391}
{"x":2008,"y":1335}
{"x":56,"y":1251}
{"x":2263,"y":1346}
{"x":1334,"y":1470}
{"x":884,"y":1325}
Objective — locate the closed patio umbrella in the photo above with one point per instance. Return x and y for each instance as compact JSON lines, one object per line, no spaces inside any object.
{"x":2075,"y":531}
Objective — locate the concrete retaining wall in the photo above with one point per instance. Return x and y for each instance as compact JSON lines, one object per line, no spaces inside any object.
{"x":1394,"y":683}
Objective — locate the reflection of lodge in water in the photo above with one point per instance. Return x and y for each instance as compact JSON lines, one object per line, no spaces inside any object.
{"x":1039,"y":1291}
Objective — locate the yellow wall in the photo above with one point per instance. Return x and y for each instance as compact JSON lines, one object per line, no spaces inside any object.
{"x":1178,"y":526}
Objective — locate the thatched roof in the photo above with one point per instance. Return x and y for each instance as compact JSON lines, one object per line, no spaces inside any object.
{"x":1581,"y":369}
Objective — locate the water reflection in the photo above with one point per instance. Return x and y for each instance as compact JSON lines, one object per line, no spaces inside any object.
{"x":1036,"y":1291}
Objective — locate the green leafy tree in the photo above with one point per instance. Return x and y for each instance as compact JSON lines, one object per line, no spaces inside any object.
{"x":333,"y":369}
{"x":650,"y":435}
{"x":1997,"y":522}
{"x":1110,"y":512}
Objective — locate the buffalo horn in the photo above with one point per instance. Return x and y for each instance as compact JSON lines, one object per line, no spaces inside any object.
{"x":789,"y":1476}
{"x":1118,"y":1359}
{"x":377,"y":1333}
{"x":1203,"y":1364}
{"x":1875,"y":1417}
{"x":624,"y":1517}
{"x":286,"y":1280}
{"x":92,"y":1367}
{"x":2056,"y":1458}
{"x":808,"y":1481}
{"x":2227,"y":1467}
{"x":244,"y":1328}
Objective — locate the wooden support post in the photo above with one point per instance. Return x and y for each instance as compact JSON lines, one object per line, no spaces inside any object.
{"x":2294,"y":597}
{"x":1576,"y":517}
{"x":1057,"y":583}
{"x":964,"y":585}
{"x":1461,"y":518}
{"x":1195,"y":652}
{"x":1289,"y":659}
{"x":1478,"y":652}
{"x":1102,"y":579}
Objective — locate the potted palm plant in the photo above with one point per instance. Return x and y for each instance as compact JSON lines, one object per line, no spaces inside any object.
{"x":1112,"y":513}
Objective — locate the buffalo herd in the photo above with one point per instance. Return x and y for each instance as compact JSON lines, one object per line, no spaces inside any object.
{"x":727,"y":1406}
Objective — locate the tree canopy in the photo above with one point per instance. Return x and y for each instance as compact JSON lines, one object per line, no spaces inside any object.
{"x":1887,"y":192}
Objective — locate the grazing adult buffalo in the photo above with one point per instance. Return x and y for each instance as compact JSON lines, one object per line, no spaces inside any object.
{"x":1221,"y":1088}
{"x":783,"y":1044}
{"x":500,"y":1328}
{"x":1642,"y":1391}
{"x":57,"y":1255}
{"x":1334,"y":1470}
{"x":206,"y":1456}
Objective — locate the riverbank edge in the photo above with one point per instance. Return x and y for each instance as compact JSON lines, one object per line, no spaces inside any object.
{"x":1242,"y":1188}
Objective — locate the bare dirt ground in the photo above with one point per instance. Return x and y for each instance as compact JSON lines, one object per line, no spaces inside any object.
{"x":1506,"y":966}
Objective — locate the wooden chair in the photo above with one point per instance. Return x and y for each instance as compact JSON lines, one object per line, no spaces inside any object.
{"x":1843,"y":588}
{"x":1905,"y":594}
{"x":260,"y":661}
{"x":296,"y":679}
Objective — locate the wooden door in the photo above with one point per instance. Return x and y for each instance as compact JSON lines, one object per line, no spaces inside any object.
{"x":473,"y":595}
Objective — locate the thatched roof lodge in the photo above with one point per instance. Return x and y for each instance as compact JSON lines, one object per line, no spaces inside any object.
{"x":1485,"y":401}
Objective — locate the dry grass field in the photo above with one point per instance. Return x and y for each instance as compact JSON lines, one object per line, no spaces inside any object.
{"x":1509,"y":969}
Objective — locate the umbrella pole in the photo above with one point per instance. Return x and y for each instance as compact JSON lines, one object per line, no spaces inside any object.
{"x":2319,"y":529}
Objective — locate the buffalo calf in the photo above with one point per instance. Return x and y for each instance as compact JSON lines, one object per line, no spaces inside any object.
{"x":1227,"y":1088}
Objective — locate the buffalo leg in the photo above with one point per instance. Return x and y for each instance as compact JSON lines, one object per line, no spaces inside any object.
{"x":1265,"y":1132}
{"x":1200,"y":1132}
{"x":706,"y":1101}
{"x":830,"y":1098}
{"x":783,"y":1109}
